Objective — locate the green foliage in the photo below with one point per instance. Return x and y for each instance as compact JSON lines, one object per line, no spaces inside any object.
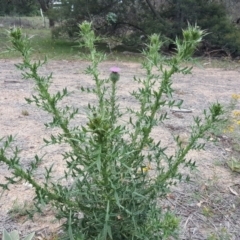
{"x":43,"y":45}
{"x":116,"y":172}
{"x":23,"y":7}
{"x":130,"y":20}
{"x":108,"y":17}
{"x":73,"y":12}
{"x":209,"y":15}
{"x":15,"y":236}
{"x":111,"y":18}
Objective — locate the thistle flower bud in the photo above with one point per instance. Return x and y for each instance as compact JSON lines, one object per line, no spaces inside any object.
{"x":114,"y":76}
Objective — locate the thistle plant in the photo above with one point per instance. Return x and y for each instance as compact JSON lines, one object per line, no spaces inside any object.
{"x":118,"y":172}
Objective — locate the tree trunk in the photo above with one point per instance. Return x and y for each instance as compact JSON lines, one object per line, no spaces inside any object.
{"x":51,"y":22}
{"x":45,"y":6}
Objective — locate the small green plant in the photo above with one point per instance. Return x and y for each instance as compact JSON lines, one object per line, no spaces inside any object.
{"x":118,"y":172}
{"x":20,"y":210}
{"x":234,"y":164}
{"x":111,"y":18}
{"x":232,"y":125}
{"x":207,"y":211}
{"x":15,"y":236}
{"x":222,"y":234}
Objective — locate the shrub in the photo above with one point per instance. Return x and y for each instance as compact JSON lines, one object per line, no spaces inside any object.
{"x":113,"y":194}
{"x":210,"y":15}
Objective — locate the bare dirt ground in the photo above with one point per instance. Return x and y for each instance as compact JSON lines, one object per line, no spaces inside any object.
{"x":209,"y":206}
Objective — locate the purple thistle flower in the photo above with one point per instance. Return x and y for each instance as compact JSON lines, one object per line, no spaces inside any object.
{"x":115,"y":69}
{"x":114,"y":76}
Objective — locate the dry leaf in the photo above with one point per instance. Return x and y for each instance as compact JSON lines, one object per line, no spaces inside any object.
{"x":200,"y":203}
{"x":233,"y":191}
{"x":171,"y":196}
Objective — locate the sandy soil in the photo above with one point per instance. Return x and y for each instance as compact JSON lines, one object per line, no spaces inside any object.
{"x":206,"y":205}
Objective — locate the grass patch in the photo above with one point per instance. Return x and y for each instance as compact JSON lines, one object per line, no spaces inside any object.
{"x":68,"y":49}
{"x":62,"y":48}
{"x":57,"y":49}
{"x":43,"y":44}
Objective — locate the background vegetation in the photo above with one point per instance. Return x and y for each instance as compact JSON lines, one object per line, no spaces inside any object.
{"x":129,"y":22}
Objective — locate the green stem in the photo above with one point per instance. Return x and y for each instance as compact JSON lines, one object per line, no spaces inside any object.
{"x":19,"y":172}
{"x":154,"y":109}
{"x":171,"y":172}
{"x":113,"y":103}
